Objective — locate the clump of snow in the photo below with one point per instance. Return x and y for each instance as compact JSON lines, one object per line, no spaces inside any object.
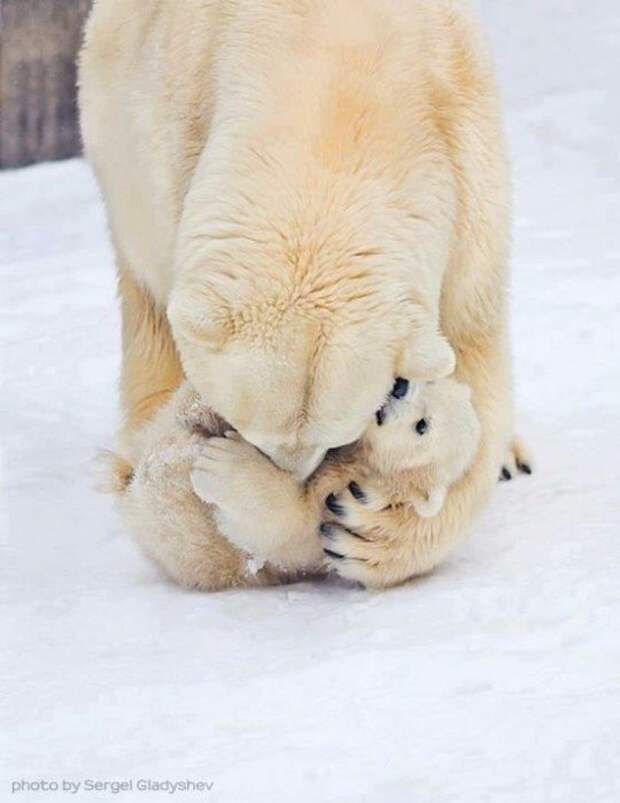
{"x":496,"y":678}
{"x":253,"y":566}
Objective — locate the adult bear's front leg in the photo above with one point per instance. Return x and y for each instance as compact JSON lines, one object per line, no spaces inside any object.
{"x":151,"y":369}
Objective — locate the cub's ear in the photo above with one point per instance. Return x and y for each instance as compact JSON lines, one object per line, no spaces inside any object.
{"x":193,"y":321}
{"x":427,"y":356}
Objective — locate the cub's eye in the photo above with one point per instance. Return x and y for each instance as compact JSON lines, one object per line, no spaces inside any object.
{"x":422,"y":426}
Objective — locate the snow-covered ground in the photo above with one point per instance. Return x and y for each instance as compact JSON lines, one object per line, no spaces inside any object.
{"x":496,"y":679}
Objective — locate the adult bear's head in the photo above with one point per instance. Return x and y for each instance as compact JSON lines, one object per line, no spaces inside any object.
{"x":299,"y":367}
{"x":293,"y":313}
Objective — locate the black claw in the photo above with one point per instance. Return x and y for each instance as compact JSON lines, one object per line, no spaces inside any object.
{"x":325,"y":529}
{"x":524,"y":468}
{"x":506,"y":475}
{"x":333,"y":554}
{"x":357,"y":492}
{"x":331,"y":503}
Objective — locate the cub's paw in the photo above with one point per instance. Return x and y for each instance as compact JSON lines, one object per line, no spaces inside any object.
{"x":359,"y":536}
{"x":227,"y":472}
{"x":256,"y":504}
{"x":357,"y":505}
{"x":518,"y":460}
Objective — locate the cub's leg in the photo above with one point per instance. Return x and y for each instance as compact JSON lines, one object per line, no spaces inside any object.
{"x":260,"y":508}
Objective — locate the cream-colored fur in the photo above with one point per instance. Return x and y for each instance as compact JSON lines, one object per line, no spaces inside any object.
{"x":423,"y":443}
{"x":396,"y":467}
{"x":173,"y":526}
{"x":271,"y":521}
{"x":303,"y":186}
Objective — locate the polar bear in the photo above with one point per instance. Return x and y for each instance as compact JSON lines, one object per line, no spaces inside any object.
{"x":293,"y":189}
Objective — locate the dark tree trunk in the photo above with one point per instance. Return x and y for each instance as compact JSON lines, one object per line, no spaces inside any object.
{"x":39,"y":41}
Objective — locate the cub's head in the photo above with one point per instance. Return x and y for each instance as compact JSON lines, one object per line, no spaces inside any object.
{"x":297,"y":373}
{"x":423,"y":424}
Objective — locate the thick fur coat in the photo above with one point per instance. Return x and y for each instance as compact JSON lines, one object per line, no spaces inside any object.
{"x":298,"y":192}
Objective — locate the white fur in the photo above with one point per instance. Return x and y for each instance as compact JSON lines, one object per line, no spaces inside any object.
{"x":306,"y":188}
{"x":429,"y":463}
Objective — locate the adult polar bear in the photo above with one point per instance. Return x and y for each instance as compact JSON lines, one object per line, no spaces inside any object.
{"x":287,"y":181}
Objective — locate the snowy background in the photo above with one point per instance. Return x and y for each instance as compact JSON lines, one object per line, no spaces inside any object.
{"x":496,"y":679}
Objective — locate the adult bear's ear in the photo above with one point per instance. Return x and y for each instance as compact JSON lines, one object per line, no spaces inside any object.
{"x":195,"y":319}
{"x":427,"y":356}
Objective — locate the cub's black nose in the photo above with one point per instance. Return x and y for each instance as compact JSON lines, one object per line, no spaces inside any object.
{"x":401,"y":386}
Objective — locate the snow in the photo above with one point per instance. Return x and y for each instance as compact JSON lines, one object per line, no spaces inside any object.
{"x":494,"y":679}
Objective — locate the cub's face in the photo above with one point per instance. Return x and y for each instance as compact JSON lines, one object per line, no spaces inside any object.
{"x":423,"y":424}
